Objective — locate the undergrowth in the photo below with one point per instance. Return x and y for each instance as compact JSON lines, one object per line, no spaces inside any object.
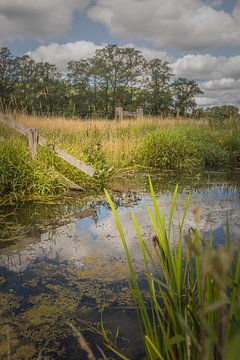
{"x":111,"y":147}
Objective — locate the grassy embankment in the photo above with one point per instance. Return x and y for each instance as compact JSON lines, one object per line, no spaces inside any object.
{"x":182,"y":145}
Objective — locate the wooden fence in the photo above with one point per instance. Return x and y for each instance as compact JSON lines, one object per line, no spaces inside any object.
{"x":120,"y":114}
{"x":35,"y":139}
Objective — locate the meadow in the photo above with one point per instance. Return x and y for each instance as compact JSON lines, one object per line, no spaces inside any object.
{"x":184,"y":145}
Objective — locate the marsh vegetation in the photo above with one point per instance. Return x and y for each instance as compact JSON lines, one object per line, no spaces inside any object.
{"x":111,"y":147}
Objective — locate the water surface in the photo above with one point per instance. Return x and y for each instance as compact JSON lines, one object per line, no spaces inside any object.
{"x":62,"y":261}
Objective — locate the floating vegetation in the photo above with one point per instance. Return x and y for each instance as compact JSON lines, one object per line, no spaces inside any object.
{"x":40,"y":303}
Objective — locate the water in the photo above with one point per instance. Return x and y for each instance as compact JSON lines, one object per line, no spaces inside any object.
{"x":62,"y":261}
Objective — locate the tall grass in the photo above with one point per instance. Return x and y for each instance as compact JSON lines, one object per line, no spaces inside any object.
{"x":19,"y":175}
{"x":186,"y":148}
{"x":193,"y":311}
{"x":110,"y":146}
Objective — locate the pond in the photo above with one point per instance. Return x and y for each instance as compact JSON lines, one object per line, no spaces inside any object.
{"x":62,"y":261}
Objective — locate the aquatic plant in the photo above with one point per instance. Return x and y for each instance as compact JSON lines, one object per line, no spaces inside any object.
{"x":193,"y":310}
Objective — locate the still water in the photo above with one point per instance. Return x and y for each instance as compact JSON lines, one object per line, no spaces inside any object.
{"x":62,"y":261}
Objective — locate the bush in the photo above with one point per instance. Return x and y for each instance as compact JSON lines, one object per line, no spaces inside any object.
{"x":182,"y":149}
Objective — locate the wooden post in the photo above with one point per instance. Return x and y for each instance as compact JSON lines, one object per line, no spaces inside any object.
{"x":140,"y":113}
{"x":178,"y":113}
{"x":119,"y":113}
{"x":33,"y":138}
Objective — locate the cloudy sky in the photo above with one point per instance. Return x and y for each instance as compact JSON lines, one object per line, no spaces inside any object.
{"x":200,"y":38}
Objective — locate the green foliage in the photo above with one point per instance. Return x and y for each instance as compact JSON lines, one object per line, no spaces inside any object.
{"x":185,"y":148}
{"x":167,"y":149}
{"x":16,"y":174}
{"x":184,"y":92}
{"x":93,"y":87}
{"x":97,"y":158}
{"x":22,"y":176}
{"x":158,"y":96}
{"x":231,"y":142}
{"x":193,"y":292}
{"x":218,"y":114}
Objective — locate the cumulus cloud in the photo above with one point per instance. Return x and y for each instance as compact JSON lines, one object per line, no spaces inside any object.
{"x":150,"y":53}
{"x":207,"y":67}
{"x":37,"y":19}
{"x":219,"y":77}
{"x":181,"y":24}
{"x":220,"y":92}
{"x":61,"y":54}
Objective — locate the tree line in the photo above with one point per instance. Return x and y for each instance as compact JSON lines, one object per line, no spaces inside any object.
{"x":94,"y":87}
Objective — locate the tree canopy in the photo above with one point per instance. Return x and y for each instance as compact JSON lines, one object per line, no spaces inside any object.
{"x":114,"y":76}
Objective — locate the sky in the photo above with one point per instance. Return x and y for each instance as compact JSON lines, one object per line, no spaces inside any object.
{"x":199,"y":38}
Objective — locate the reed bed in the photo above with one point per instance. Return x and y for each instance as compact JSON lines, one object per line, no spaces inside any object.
{"x":193,"y":310}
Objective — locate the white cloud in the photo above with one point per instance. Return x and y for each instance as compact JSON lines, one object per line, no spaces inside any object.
{"x":61,"y":54}
{"x":207,"y":67}
{"x":150,"y":53}
{"x":38,"y":19}
{"x":220,"y":92}
{"x":181,"y":24}
{"x":219,"y":77}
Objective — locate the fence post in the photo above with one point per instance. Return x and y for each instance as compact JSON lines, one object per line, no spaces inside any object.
{"x":178,"y":113}
{"x":33,"y":138}
{"x":119,"y":113}
{"x":140,"y":113}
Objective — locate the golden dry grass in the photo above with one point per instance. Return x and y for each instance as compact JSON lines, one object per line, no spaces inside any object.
{"x":119,"y":139}
{"x":73,"y":125}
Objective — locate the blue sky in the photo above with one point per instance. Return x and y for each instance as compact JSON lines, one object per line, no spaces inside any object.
{"x":199,"y":38}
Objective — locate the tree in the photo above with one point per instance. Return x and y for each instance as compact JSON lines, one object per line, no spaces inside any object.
{"x":93,"y":87}
{"x":117,"y":73}
{"x":157,"y":87}
{"x":25,"y":92}
{"x":81,"y":92}
{"x":48,"y":81}
{"x":8,"y":77}
{"x":184,"y":92}
{"x":221,"y":113}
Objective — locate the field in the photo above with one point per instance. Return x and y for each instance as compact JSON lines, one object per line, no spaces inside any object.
{"x":182,"y":145}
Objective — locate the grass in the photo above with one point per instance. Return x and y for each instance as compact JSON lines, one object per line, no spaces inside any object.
{"x":183,"y":145}
{"x":193,"y":311}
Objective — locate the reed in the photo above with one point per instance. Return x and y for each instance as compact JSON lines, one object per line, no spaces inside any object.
{"x":193,"y":311}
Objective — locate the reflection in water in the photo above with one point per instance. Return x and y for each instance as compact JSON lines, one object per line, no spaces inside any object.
{"x":58,"y":269}
{"x":96,"y":235}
